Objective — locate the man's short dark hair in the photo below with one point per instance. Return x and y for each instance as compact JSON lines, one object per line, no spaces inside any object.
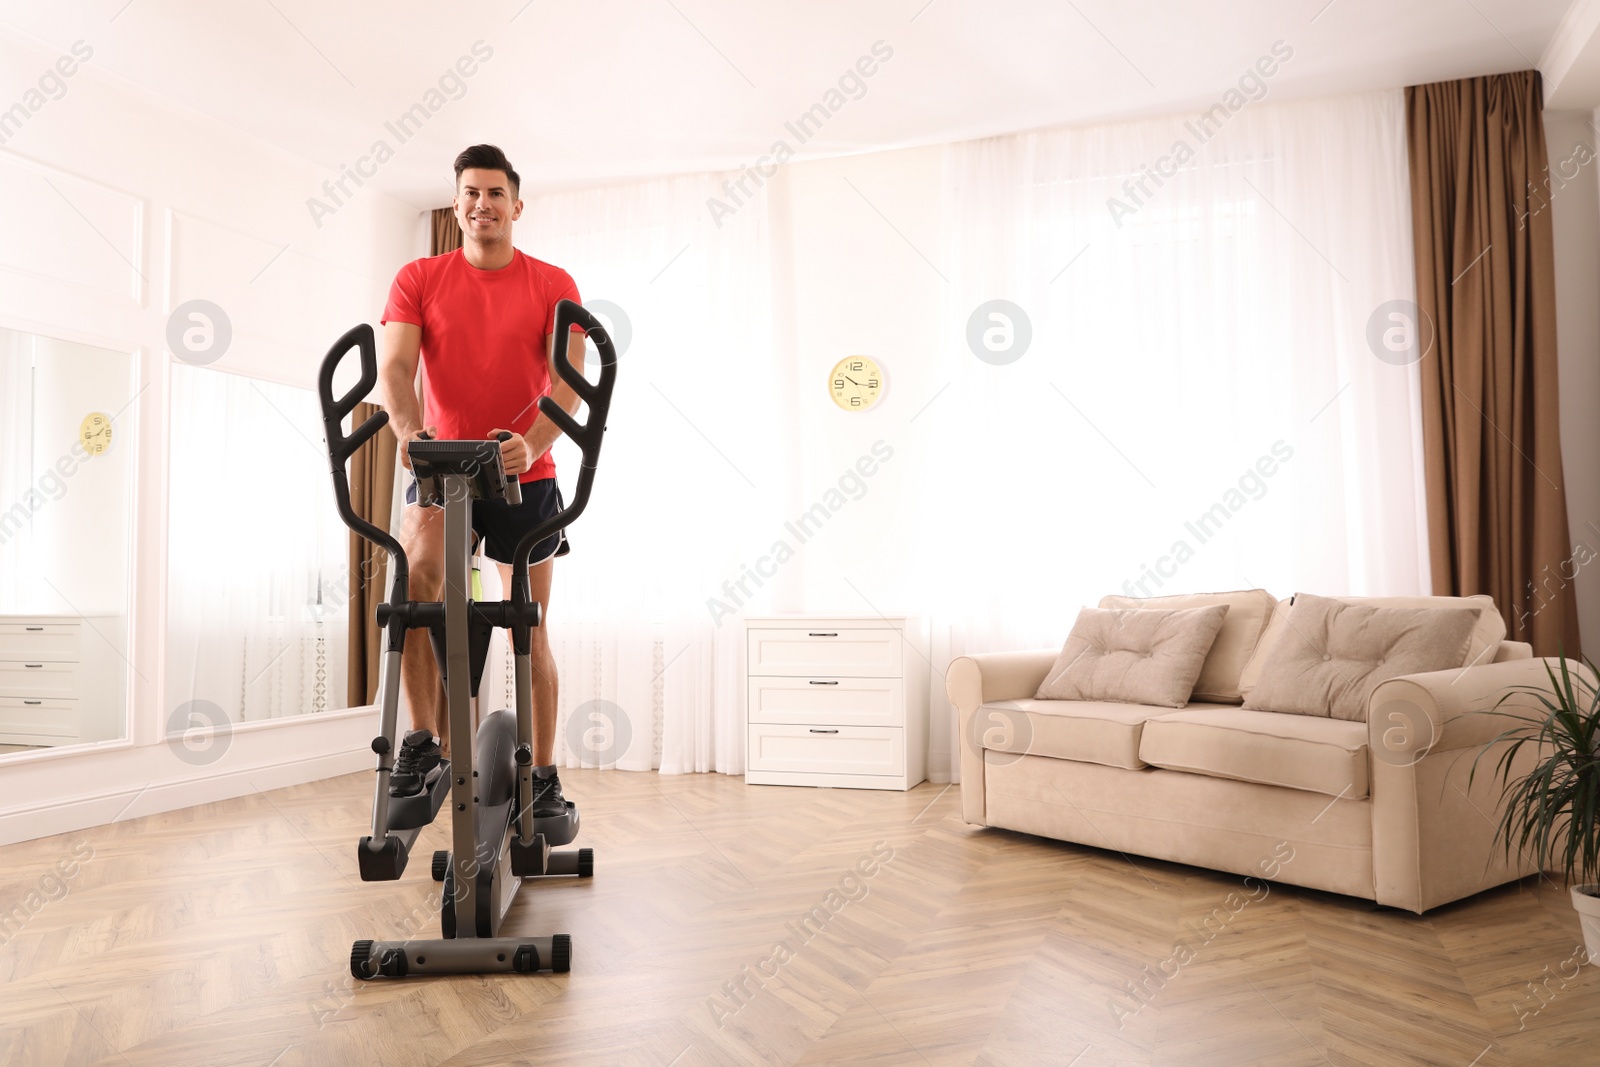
{"x":487,"y":157}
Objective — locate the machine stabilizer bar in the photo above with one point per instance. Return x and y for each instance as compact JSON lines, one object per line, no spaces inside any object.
{"x":468,"y":955}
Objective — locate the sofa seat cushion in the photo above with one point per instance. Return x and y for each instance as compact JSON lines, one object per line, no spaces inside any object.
{"x":1295,"y":751}
{"x":1089,"y":731}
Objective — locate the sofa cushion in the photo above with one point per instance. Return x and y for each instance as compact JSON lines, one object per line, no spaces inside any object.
{"x":1133,"y":656}
{"x":1249,"y":612}
{"x":1297,"y":752}
{"x":1089,"y":731}
{"x":1334,"y":653}
{"x":1482,"y":644}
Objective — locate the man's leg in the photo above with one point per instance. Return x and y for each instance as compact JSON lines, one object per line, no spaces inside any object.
{"x":545,"y":685}
{"x":422,"y":536}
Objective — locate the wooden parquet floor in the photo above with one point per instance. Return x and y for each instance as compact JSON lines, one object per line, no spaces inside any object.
{"x":220,"y":936}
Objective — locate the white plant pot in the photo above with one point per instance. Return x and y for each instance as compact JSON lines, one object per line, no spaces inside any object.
{"x":1588,"y":906}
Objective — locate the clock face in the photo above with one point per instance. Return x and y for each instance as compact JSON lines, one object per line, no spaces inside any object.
{"x":95,"y":433}
{"x":856,"y":383}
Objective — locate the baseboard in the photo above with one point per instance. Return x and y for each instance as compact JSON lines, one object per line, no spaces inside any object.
{"x":82,"y":813}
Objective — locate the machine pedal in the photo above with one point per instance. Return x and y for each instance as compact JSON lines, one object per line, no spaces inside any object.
{"x":558,"y":829}
{"x":413,"y":813}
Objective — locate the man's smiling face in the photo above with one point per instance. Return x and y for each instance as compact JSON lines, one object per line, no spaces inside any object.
{"x":486,"y":205}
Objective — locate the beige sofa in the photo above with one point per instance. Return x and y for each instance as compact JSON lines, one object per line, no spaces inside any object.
{"x":1381,"y":809}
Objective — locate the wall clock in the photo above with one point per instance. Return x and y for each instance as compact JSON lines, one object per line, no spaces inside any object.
{"x":856,"y":383}
{"x":95,"y":433}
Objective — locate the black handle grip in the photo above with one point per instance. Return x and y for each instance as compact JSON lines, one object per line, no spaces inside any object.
{"x":356,"y":337}
{"x":342,"y":446}
{"x":586,"y":435}
{"x":513,"y":485}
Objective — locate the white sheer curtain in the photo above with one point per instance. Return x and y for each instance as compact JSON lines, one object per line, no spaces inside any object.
{"x":1200,"y":407}
{"x":257,"y":559}
{"x":1222,"y":320}
{"x":691,"y":477}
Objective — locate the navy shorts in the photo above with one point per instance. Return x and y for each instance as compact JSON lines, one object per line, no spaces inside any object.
{"x":501,"y":525}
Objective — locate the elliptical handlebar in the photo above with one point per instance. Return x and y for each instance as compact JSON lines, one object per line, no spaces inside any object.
{"x":587,"y":436}
{"x":341,"y":446}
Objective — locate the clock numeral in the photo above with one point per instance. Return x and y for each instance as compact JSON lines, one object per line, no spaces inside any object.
{"x":855,"y":401}
{"x":872,"y":383}
{"x":857,"y":365}
{"x":838,"y":383}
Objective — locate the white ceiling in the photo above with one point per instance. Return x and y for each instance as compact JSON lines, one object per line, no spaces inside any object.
{"x":598,"y":91}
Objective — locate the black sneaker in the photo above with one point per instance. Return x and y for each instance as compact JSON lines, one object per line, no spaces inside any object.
{"x":548,"y":803}
{"x":417,"y":766}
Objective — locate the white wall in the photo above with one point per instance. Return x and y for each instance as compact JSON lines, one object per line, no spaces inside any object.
{"x":855,"y":282}
{"x":117,"y":208}
{"x":1574,"y":198}
{"x":860,"y":271}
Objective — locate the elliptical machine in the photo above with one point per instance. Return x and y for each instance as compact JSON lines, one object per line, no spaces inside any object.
{"x":495,"y":839}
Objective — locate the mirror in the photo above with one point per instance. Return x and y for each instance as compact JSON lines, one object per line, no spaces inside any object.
{"x":67,"y":458}
{"x":258,"y":573}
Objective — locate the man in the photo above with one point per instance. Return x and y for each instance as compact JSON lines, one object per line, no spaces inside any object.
{"x":479,"y":319}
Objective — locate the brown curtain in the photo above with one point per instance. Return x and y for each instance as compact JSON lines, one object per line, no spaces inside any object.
{"x":1497,"y":511}
{"x":446,"y":231}
{"x":372,"y":496}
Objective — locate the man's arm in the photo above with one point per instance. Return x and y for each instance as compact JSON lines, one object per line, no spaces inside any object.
{"x":398,"y":357}
{"x":519,"y":453}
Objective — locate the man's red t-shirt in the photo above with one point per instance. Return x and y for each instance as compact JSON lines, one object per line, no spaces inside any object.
{"x":483,"y":342}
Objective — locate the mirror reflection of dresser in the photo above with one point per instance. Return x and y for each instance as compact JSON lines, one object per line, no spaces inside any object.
{"x":67,"y":461}
{"x":60,"y":679}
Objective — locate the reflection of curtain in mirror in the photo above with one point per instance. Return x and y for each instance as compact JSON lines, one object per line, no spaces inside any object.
{"x":258,"y":572}
{"x":16,"y":435}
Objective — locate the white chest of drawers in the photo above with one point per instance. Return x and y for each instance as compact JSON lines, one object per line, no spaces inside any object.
{"x":836,"y":700}
{"x":60,"y":679}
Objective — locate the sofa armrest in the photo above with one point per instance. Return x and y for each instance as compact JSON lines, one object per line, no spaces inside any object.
{"x":971,"y":682}
{"x":1413,"y":716}
{"x":1433,"y":819}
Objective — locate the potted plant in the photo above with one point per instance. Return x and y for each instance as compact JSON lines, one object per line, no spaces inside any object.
{"x":1552,"y":812}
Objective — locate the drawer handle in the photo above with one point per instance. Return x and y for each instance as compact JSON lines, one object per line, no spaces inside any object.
{"x":824,"y":683}
{"x":33,"y":702}
{"x":33,"y":665}
{"x":816,"y":731}
{"x":34,"y":629}
{"x":834,"y":634}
